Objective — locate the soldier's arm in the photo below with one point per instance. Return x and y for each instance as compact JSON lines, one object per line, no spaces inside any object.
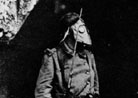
{"x":46,"y":74}
{"x":96,"y":79}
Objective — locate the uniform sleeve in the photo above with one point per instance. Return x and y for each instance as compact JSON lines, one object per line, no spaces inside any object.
{"x":96,"y":80}
{"x":44,"y":82}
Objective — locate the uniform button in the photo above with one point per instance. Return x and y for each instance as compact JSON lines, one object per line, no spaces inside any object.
{"x":88,"y":82}
{"x":87,"y":72}
{"x":84,"y":56}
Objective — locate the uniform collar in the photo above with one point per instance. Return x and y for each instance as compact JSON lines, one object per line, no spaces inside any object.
{"x":69,"y":51}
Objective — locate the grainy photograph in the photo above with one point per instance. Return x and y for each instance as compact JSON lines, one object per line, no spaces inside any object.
{"x":68,"y":49}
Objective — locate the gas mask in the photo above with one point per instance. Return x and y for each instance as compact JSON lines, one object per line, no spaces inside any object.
{"x":80,"y":32}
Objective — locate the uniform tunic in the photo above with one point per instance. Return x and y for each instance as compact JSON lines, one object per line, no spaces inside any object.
{"x":63,"y":74}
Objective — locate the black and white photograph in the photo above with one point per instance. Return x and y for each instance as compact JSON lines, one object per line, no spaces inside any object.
{"x":68,"y":49}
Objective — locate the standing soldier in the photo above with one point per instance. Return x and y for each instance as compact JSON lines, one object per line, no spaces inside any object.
{"x":69,"y":70}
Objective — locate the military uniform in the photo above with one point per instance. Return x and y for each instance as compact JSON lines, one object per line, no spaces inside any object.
{"x":63,"y":75}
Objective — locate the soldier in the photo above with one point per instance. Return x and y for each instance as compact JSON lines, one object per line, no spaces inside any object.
{"x":69,"y":70}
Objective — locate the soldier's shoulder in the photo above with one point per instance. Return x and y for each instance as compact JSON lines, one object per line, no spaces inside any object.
{"x":49,"y":51}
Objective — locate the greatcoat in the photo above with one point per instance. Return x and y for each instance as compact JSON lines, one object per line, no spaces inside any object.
{"x":63,"y":75}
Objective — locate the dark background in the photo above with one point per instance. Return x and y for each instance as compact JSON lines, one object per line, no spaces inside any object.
{"x":113,"y":25}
